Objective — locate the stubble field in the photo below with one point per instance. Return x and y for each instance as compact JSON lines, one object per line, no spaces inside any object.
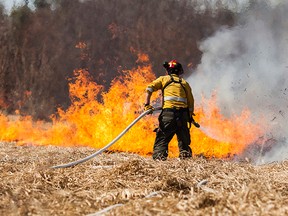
{"x":129,"y":184}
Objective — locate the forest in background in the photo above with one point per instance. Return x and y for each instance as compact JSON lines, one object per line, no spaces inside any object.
{"x":39,"y":52}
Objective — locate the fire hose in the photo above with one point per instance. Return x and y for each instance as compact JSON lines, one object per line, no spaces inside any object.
{"x":150,"y":111}
{"x":108,"y":145}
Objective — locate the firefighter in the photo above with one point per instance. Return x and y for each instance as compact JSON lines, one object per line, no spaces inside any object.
{"x":177,"y":110}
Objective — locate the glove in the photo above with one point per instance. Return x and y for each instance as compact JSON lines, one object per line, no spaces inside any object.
{"x":148,"y":107}
{"x":192,"y":121}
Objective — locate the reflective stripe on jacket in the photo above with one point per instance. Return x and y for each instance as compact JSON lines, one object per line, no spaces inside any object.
{"x":173,"y":98}
{"x":175,"y":94}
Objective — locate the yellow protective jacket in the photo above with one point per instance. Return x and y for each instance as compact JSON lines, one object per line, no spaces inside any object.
{"x":177,"y":93}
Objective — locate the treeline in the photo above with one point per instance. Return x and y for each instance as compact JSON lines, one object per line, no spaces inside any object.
{"x":38,"y":46}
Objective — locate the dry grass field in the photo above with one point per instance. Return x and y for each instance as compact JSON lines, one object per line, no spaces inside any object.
{"x":128,"y":184}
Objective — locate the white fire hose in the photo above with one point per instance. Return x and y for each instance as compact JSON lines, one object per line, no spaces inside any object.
{"x":108,"y":145}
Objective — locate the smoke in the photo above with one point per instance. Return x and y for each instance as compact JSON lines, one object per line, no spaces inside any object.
{"x":247,"y":66}
{"x":231,"y":5}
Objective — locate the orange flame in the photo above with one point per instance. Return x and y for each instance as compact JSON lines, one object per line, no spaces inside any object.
{"x":96,"y":117}
{"x":224,"y":137}
{"x":142,"y":58}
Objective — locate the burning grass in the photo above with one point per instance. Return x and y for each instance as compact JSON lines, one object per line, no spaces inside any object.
{"x":96,"y":117}
{"x":132,"y":183}
{"x":136,"y":185}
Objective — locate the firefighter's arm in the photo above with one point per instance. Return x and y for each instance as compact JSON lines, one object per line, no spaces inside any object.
{"x":154,"y":86}
{"x":190,"y":100}
{"x":147,"y":105}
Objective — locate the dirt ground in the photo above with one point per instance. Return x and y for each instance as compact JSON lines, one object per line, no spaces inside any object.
{"x":128,"y":184}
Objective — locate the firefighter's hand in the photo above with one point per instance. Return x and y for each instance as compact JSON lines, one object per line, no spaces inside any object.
{"x":148,"y":107}
{"x":192,"y":121}
{"x":196,"y":124}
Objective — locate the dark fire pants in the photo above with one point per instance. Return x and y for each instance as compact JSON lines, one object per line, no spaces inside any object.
{"x":171,"y":122}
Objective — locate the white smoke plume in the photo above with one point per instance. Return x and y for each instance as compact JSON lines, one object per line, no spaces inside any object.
{"x":232,"y":5}
{"x":248,"y":67}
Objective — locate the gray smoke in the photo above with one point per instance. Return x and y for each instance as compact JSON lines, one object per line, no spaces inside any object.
{"x":248,"y":66}
{"x":232,"y":5}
